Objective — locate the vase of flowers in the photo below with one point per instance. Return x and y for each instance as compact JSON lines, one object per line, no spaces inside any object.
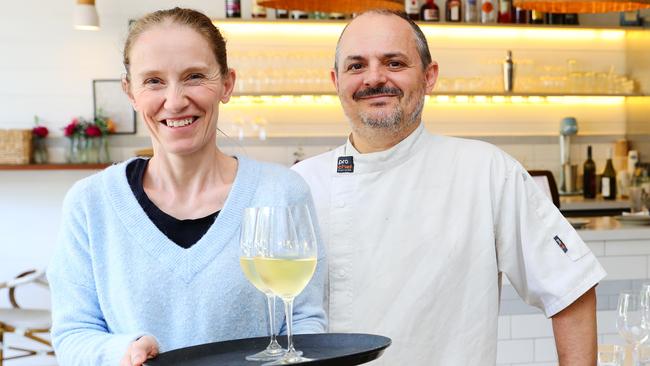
{"x":92,"y":133}
{"x":106,"y":126}
{"x":89,"y":140}
{"x":73,"y":131}
{"x":39,"y":134}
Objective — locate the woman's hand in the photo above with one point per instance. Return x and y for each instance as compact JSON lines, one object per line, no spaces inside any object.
{"x":139,"y":351}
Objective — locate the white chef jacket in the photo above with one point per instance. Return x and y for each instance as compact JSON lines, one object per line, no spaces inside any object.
{"x":419,"y":235}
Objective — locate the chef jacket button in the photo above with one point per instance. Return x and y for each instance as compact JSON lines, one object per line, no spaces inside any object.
{"x":342,"y":273}
{"x":340,"y":203}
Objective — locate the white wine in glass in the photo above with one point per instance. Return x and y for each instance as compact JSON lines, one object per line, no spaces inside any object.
{"x":286,"y":261}
{"x":247,"y":251}
{"x":286,"y":278}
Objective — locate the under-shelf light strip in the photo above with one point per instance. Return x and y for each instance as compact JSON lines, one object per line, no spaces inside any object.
{"x":286,"y":100}
{"x":333,"y":30}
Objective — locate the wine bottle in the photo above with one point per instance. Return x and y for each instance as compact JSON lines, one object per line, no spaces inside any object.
{"x":281,"y":14}
{"x":337,"y":16}
{"x":412,"y":9}
{"x":471,"y":11}
{"x":452,"y":11}
{"x":608,"y":179}
{"x":488,"y":11}
{"x":429,"y":12}
{"x":257,"y":10}
{"x":505,"y":11}
{"x":571,"y":19}
{"x":299,"y":14}
{"x":555,"y":18}
{"x":537,"y":17}
{"x":233,"y":9}
{"x":589,"y":176}
{"x":522,"y":16}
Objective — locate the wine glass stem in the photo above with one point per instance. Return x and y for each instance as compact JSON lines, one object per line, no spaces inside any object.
{"x":270,"y":302}
{"x":288,"y":310}
{"x":635,"y":354}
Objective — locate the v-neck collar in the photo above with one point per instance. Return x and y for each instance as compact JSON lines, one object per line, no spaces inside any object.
{"x":185,"y":262}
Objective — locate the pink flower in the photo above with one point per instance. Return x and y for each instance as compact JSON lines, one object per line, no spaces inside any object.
{"x":93,"y":131}
{"x":40,"y":131}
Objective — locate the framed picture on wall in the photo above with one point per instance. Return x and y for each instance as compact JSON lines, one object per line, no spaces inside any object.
{"x":109,"y":100}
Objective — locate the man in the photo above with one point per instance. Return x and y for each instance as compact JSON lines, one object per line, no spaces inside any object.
{"x":420,"y":228}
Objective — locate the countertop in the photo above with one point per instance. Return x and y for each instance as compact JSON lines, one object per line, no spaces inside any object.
{"x":598,"y":203}
{"x":608,"y":228}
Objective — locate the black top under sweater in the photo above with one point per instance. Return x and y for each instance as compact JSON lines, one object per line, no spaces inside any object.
{"x":184,"y":233}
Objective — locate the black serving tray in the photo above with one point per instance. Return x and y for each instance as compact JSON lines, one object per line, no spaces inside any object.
{"x":340,"y":349}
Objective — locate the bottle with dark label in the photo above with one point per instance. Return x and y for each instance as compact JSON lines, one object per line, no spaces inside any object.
{"x":453,"y":11}
{"x":258,"y":11}
{"x":488,"y":11}
{"x":281,"y":14}
{"x":537,"y":17}
{"x":412,"y":9}
{"x":505,"y":11}
{"x":471,"y":11}
{"x":429,"y":12}
{"x":589,"y":176}
{"x":608,"y":180}
{"x":233,"y":9}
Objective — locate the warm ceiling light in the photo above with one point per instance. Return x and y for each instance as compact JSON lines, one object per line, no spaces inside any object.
{"x":85,"y":15}
{"x":334,"y":6}
{"x":582,"y":6}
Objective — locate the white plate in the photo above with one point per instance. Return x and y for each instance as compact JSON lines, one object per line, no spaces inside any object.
{"x":634,"y":219}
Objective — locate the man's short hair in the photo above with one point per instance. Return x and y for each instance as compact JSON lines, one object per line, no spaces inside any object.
{"x":420,"y":39}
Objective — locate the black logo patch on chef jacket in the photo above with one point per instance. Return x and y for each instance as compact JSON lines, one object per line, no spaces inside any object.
{"x":345,"y":164}
{"x":560,"y":243}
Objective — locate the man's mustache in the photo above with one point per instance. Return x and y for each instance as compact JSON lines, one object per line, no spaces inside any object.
{"x":380,"y":90}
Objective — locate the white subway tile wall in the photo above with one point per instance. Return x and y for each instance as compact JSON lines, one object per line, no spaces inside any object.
{"x":625,"y":267}
{"x":515,"y":351}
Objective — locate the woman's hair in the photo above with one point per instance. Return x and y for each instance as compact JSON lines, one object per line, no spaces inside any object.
{"x":188,"y":17}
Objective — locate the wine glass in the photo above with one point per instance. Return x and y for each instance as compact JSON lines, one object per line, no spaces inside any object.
{"x":632,"y":321}
{"x":247,"y":251}
{"x":286,"y":261}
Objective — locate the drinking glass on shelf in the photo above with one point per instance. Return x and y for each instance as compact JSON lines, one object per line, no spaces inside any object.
{"x":248,"y":250}
{"x":632,"y":320}
{"x":286,"y":260}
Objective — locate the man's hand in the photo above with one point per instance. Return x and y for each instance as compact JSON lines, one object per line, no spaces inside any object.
{"x":575,"y":331}
{"x":139,"y":351}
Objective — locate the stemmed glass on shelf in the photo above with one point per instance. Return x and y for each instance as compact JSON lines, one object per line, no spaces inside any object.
{"x":633,"y":322}
{"x":286,"y":260}
{"x":247,"y":251}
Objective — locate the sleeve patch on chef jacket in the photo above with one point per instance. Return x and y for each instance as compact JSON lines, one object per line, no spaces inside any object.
{"x":345,"y":164}
{"x":560,"y":243}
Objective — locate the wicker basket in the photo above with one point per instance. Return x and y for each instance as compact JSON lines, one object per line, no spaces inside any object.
{"x":15,"y":146}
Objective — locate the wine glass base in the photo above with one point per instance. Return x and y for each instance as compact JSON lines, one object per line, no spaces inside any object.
{"x":267,"y":355}
{"x":288,"y":360}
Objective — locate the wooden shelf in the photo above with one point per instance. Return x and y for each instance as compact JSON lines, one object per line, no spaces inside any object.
{"x":54,"y":166}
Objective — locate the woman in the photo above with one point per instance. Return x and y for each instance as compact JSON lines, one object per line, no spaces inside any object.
{"x":148,"y":253}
